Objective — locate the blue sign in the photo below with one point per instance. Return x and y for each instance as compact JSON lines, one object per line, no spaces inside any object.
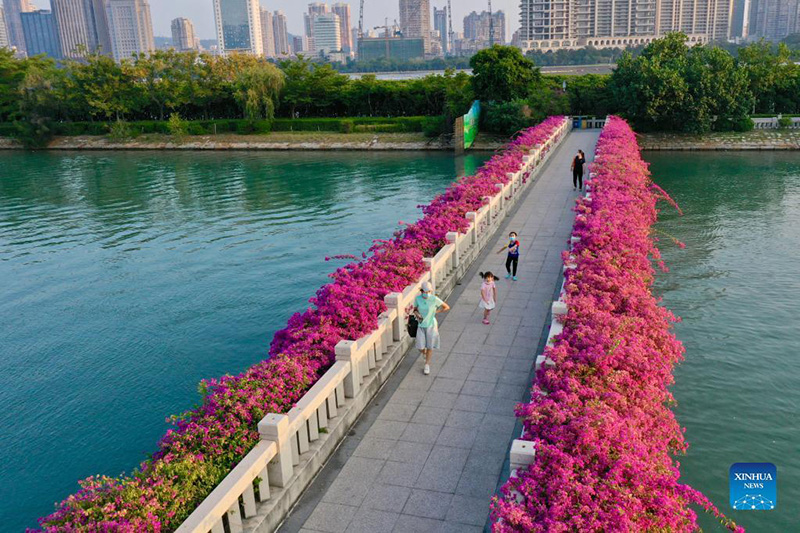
{"x":754,"y":486}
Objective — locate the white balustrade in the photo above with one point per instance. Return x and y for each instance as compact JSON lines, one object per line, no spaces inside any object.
{"x":286,"y":438}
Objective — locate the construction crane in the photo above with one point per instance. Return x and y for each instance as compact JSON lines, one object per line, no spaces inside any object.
{"x":450,"y":34}
{"x":491,"y":25}
{"x":361,"y":20}
{"x":386,"y":28}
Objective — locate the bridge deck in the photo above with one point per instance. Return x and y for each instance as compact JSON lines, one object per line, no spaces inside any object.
{"x":431,"y":450}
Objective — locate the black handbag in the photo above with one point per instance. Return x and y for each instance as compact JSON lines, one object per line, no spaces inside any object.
{"x":413,"y":326}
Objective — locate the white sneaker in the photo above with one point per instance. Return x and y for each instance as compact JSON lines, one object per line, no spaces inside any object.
{"x":427,"y":370}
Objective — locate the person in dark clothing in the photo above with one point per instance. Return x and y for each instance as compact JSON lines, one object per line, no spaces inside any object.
{"x":512,"y":261}
{"x":577,"y":170}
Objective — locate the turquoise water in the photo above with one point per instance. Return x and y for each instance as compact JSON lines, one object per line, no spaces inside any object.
{"x":129,"y":277}
{"x":737,"y":288}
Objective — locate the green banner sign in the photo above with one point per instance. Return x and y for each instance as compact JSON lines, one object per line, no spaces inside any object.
{"x":471,"y":124}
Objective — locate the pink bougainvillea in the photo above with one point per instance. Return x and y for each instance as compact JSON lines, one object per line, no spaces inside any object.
{"x":605,"y":437}
{"x":205,"y":443}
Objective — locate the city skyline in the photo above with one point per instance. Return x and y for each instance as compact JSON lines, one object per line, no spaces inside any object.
{"x":201,"y":13}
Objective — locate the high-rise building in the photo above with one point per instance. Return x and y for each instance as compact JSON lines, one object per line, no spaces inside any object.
{"x":441,"y":27}
{"x":740,"y":19}
{"x":327,"y":34}
{"x":711,"y":19}
{"x":267,"y":33}
{"x":41,"y":35}
{"x":13,"y":9}
{"x":775,"y":19}
{"x":343,"y":10}
{"x":130,"y":26}
{"x":554,"y":24}
{"x":415,"y":20}
{"x":297,"y":44}
{"x":354,"y":40}
{"x":183,"y":35}
{"x":479,"y":27}
{"x":239,"y":26}
{"x":82,"y":27}
{"x":314,"y":9}
{"x":281,"y":32}
{"x":3,"y":31}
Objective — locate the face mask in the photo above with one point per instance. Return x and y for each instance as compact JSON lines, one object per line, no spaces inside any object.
{"x":512,"y":239}
{"x":425,"y":295}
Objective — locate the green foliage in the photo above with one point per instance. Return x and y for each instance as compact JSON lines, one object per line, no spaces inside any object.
{"x":505,"y":118}
{"x":785,"y":123}
{"x":582,"y":56}
{"x":589,"y":94}
{"x":742,"y":124}
{"x":436,"y":126}
{"x":121,"y":131}
{"x":502,"y":73}
{"x":257,"y":88}
{"x":676,"y":88}
{"x":177,"y":127}
{"x":346,"y":126}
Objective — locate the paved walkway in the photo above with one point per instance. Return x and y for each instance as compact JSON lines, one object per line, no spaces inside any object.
{"x":429,"y":454}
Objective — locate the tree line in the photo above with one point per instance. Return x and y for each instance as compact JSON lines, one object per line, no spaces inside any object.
{"x":668,"y":86}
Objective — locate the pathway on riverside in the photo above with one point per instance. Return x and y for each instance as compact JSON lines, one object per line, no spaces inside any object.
{"x":428,"y":454}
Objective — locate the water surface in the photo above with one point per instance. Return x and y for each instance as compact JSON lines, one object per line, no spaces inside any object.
{"x":129,"y":277}
{"x":737,"y":288}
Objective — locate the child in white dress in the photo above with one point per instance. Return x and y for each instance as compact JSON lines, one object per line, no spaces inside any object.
{"x":488,"y":295}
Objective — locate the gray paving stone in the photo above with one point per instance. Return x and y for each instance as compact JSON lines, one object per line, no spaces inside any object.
{"x":387,"y":429}
{"x":397,"y":412}
{"x":375,"y":448}
{"x":457,"y":437}
{"x":476,"y":404}
{"x":438,"y":479}
{"x":373,"y":521}
{"x":330,"y":517}
{"x":478,"y":388}
{"x":455,"y":527}
{"x":503,"y":406}
{"x":489,"y":374}
{"x":430,"y":415}
{"x":444,"y":400}
{"x":443,"y":384}
{"x":486,"y":462}
{"x":411,"y":452}
{"x":407,"y":397}
{"x":417,"y":524}
{"x":467,"y":510}
{"x":506,"y":391}
{"x":390,"y":498}
{"x":428,"y":504}
{"x":464,"y":419}
{"x":424,"y":433}
{"x":400,"y":474}
{"x":449,"y":457}
{"x":477,"y":484}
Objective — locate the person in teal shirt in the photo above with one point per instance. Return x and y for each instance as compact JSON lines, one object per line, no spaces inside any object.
{"x":426,"y":306}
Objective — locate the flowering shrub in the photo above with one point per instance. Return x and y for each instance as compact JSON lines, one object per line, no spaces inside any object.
{"x":600,"y":419}
{"x":207,"y":442}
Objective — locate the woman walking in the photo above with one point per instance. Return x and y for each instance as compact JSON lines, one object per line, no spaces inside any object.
{"x":577,"y":170}
{"x":426,"y":306}
{"x":488,"y":296}
{"x":513,"y":255}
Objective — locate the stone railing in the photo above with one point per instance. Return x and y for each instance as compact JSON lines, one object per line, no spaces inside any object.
{"x":523,"y":451}
{"x":771,"y":123}
{"x":259,"y":492}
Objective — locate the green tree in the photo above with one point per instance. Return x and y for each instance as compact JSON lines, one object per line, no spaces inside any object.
{"x":502,"y":74}
{"x":105,"y":88}
{"x":257,"y":89}
{"x":12,"y":73}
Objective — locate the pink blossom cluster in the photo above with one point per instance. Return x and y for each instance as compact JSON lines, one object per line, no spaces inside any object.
{"x":207,"y":442}
{"x":605,"y":437}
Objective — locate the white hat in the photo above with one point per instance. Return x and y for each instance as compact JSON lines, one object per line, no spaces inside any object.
{"x":426,"y":286}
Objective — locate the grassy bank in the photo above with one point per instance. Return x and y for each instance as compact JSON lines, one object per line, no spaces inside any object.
{"x":751,"y":140}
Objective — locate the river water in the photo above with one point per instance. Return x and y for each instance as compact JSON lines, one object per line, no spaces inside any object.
{"x":737,"y":288}
{"x":129,"y":277}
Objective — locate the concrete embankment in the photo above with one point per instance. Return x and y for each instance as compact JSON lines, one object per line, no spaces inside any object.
{"x":753,"y":140}
{"x":272,"y":142}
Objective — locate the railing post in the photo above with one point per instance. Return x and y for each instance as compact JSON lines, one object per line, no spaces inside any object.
{"x":275,"y":428}
{"x":452,"y":238}
{"x":392,"y":301}
{"x":500,"y":187}
{"x":429,"y":264}
{"x":472,"y":216}
{"x":346,"y":351}
{"x":522,"y":454}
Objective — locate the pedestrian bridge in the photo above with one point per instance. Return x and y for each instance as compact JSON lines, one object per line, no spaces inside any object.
{"x":375,"y":445}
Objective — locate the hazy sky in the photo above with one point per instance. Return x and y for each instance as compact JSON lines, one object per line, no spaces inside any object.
{"x":202,"y":15}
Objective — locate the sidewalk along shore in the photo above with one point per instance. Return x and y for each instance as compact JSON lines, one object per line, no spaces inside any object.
{"x":751,"y":140}
{"x":270,"y":142}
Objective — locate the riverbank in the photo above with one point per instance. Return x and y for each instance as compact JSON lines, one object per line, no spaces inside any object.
{"x":751,"y":140}
{"x":279,"y":141}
